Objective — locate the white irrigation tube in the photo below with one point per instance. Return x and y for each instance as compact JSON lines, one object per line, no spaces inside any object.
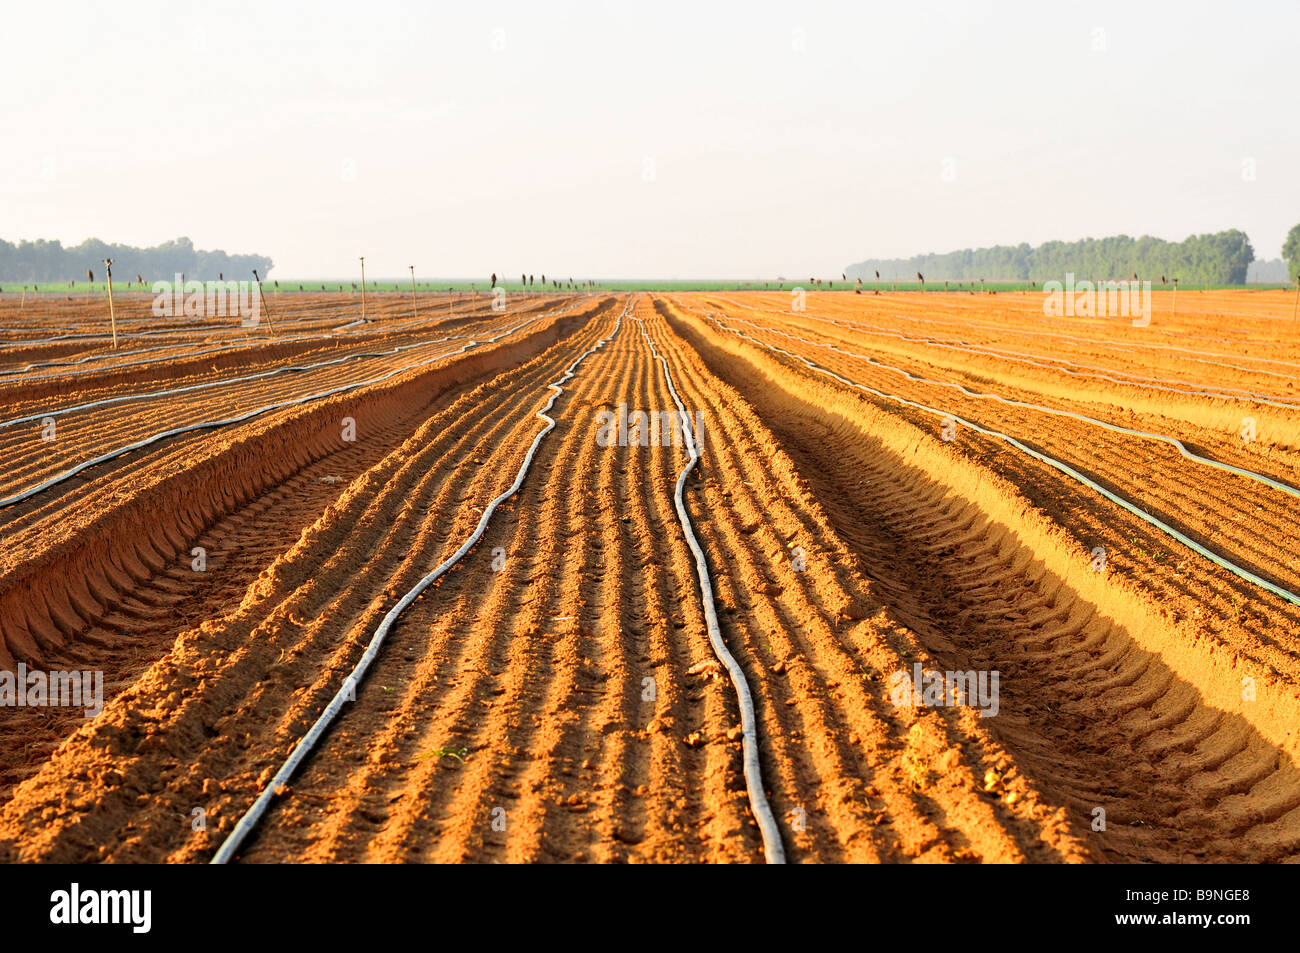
{"x":1127,"y":380}
{"x":210,"y":424}
{"x":1146,"y":435}
{"x":1115,"y":346}
{"x":1026,"y":357}
{"x":90,"y":357}
{"x":966,"y":347}
{"x":1050,"y":461}
{"x":223,"y":382}
{"x":989,"y":349}
{"x":1083,"y":320}
{"x":201,"y":326}
{"x":194,"y":328}
{"x":8,"y":377}
{"x":208,"y":329}
{"x":19,"y":376}
{"x":347,"y":692}
{"x":773,"y":850}
{"x":389,"y":327}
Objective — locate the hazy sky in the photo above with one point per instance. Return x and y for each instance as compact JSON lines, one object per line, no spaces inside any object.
{"x":644,"y":140}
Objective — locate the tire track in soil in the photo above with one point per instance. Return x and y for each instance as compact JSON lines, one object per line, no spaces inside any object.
{"x":1254,"y":622}
{"x":1089,"y":717}
{"x":535,"y":671}
{"x":1252,"y":524}
{"x":817,"y":651}
{"x":141,"y":622}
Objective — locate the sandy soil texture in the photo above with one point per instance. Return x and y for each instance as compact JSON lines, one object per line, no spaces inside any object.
{"x":1105,"y":518}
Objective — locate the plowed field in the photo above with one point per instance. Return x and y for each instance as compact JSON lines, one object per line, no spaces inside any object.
{"x":1098,"y":523}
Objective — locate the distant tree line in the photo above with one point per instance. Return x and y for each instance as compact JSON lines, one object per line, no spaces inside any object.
{"x":1218,"y":259}
{"x":48,"y":261}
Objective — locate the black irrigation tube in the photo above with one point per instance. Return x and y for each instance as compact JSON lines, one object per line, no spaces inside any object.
{"x":1239,"y":571}
{"x":773,"y":850}
{"x":223,"y":382}
{"x":347,"y":692}
{"x":1054,"y":411}
{"x":212,"y":424}
{"x":387,"y":325}
{"x":19,"y":376}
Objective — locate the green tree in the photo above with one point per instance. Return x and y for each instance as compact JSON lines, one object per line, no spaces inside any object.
{"x":50,"y":261}
{"x":1291,"y":252}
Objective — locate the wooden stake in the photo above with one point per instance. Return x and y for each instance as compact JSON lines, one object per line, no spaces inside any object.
{"x":108,"y":267}
{"x":261,"y":298}
{"x":363,"y":288}
{"x":415,"y":304}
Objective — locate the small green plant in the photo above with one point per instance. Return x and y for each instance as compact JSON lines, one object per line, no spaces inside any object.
{"x":446,"y":751}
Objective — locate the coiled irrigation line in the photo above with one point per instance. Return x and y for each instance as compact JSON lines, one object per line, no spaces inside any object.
{"x":1065,"y":468}
{"x":212,"y":424}
{"x":1009,"y":401}
{"x":348,"y":691}
{"x":773,"y":850}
